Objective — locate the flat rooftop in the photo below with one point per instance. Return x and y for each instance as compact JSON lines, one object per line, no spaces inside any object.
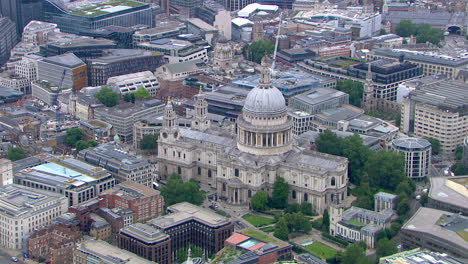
{"x":17,"y":200}
{"x":126,"y":110}
{"x":65,"y":60}
{"x":132,"y":190}
{"x":428,"y":221}
{"x":319,"y":95}
{"x":163,"y":27}
{"x":420,"y":256}
{"x":449,"y":192}
{"x":110,"y":254}
{"x":449,"y":95}
{"x":144,"y":232}
{"x":183,"y":212}
{"x":115,"y":55}
{"x":96,"y":8}
{"x":420,"y":56}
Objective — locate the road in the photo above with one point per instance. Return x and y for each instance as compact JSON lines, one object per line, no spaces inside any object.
{"x":5,"y":258}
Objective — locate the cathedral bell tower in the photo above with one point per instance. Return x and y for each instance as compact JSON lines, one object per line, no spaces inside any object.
{"x":200,"y":121}
{"x":170,"y":128}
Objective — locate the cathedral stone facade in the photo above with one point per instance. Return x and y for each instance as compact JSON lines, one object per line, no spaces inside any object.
{"x":239,"y":162}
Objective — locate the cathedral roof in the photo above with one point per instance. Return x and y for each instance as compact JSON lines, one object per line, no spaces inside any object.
{"x":265,"y":99}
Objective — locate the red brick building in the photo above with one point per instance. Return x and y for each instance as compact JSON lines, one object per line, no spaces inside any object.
{"x":146,"y":203}
{"x":83,"y":212}
{"x":53,"y":245}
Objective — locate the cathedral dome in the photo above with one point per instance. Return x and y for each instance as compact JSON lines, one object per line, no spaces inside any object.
{"x":265,"y":101}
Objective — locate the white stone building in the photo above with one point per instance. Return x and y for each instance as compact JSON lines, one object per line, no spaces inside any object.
{"x":24,"y":209}
{"x":240,"y":163}
{"x":129,"y":83}
{"x":6,"y":172}
{"x":27,"y":68}
{"x":417,"y":153}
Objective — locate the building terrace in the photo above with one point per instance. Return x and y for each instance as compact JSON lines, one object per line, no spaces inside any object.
{"x":96,"y":8}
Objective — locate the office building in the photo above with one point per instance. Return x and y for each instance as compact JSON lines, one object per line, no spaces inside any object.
{"x":16,"y":82}
{"x":145,"y":202}
{"x":419,"y":255}
{"x":81,"y":16}
{"x":6,"y":172}
{"x":96,"y":130}
{"x":142,"y":128}
{"x":430,"y":63}
{"x":47,"y":92}
{"x":66,"y":70}
{"x":383,"y":201}
{"x":24,"y":209}
{"x":97,"y":251}
{"x":201,"y":28}
{"x":417,"y":153}
{"x":184,"y":8}
{"x":123,"y":166}
{"x":27,"y":68}
{"x":123,"y":116}
{"x":115,"y":62}
{"x":74,"y":179}
{"x":436,"y":230}
{"x":129,"y":83}
{"x":168,"y":29}
{"x":437,"y":110}
{"x":176,"y":50}
{"x":170,"y":233}
{"x":317,"y":100}
{"x":8,"y":38}
{"x":99,"y":229}
{"x":36,"y":32}
{"x":448,"y":195}
{"x":386,"y":74}
{"x":83,"y":48}
{"x":22,"y":11}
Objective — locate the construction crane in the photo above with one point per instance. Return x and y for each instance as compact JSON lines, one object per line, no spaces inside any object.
{"x":58,"y":115}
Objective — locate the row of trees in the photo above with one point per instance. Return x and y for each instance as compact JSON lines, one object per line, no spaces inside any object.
{"x":110,"y":98}
{"x":422,"y":32}
{"x":75,"y":139}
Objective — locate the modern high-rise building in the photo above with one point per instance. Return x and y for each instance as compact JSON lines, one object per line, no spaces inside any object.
{"x":66,"y":70}
{"x":8,"y":38}
{"x":21,"y":12}
{"x":417,"y":153}
{"x":437,"y":110}
{"x":82,"y":16}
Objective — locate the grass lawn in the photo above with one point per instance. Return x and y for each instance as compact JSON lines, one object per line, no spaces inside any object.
{"x":268,"y":229}
{"x":258,"y":221}
{"x":261,"y":236}
{"x":321,"y":250}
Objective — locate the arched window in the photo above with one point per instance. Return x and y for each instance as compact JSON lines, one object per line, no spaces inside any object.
{"x":306,"y":197}
{"x":293,"y":194}
{"x":333,"y":181}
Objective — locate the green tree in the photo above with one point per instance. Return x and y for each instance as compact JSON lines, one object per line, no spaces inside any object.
{"x":365,"y":198}
{"x":383,"y":31}
{"x":182,"y":253}
{"x":386,"y":169}
{"x":129,"y":97}
{"x":329,"y":142}
{"x":149,"y":142}
{"x":353,"y":88}
{"x":306,"y":208}
{"x":459,"y":153}
{"x":325,"y":221}
{"x":259,"y":201}
{"x":73,"y":136}
{"x":459,"y":168}
{"x":292,"y":208}
{"x":257,"y":49}
{"x":281,"y":229}
{"x":279,"y":197}
{"x":426,"y":33}
{"x":108,"y":97}
{"x":405,"y":28}
{"x":15,"y":154}
{"x":301,"y":223}
{"x":142,"y":93}
{"x":84,"y":144}
{"x":403,"y":206}
{"x":386,"y":247}
{"x":177,"y":191}
{"x":358,"y":154}
{"x":406,"y":187}
{"x":355,"y":254}
{"x":435,"y":144}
